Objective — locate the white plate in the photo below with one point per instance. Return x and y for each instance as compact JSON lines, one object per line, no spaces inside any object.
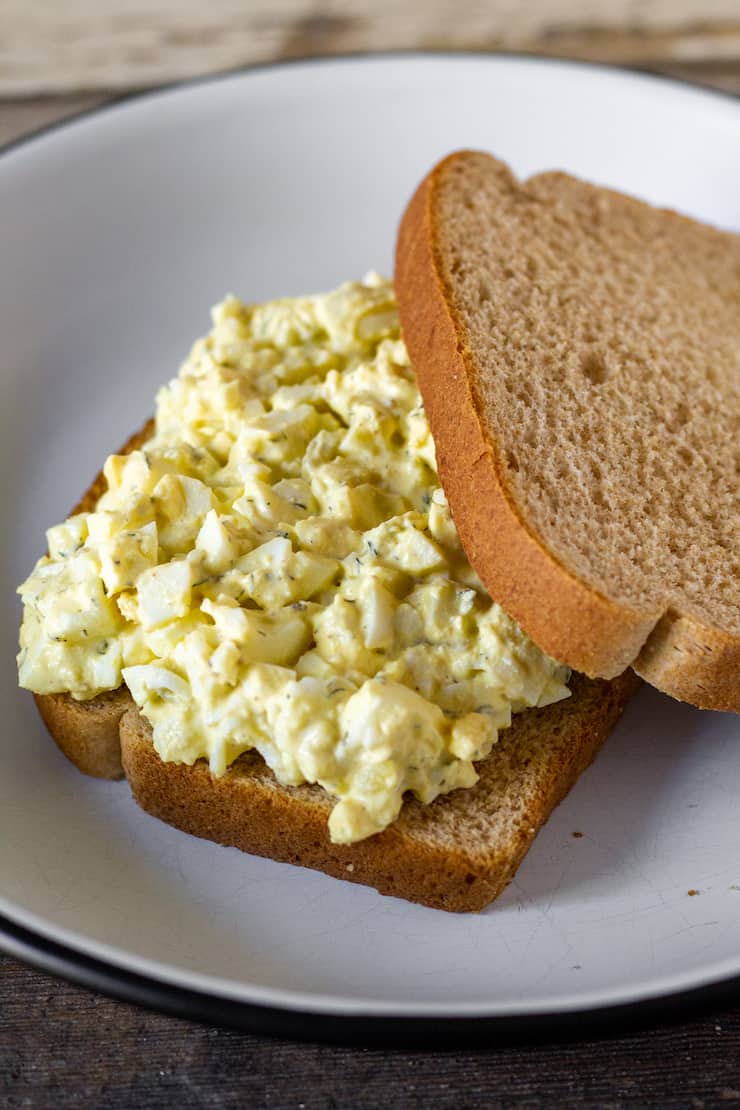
{"x":117,"y":233}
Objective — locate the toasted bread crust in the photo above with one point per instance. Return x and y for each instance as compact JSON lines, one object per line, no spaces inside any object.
{"x":565,"y":616}
{"x":87,"y":731}
{"x":416,"y":858}
{"x":692,"y":662}
{"x":449,"y":855}
{"x":92,"y":495}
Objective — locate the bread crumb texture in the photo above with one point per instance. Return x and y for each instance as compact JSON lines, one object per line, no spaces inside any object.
{"x":595,"y":341}
{"x":606,"y":337}
{"x":458,"y":853}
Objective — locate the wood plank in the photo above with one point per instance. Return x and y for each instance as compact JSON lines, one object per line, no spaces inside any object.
{"x":91,"y":45}
{"x":21,"y":117}
{"x":63,"y":1048}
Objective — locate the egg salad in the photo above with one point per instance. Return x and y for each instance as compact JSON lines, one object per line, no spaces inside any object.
{"x":277,"y":568}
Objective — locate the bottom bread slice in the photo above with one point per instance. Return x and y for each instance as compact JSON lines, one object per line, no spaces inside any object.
{"x":88,"y":732}
{"x":456,"y":854}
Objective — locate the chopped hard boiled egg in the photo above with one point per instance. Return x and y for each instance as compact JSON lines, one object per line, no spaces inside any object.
{"x":277,"y":569}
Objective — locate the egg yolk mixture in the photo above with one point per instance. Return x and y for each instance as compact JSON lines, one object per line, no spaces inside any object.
{"x":277,"y":569}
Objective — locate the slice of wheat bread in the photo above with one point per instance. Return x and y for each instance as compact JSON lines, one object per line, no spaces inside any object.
{"x":87,"y":731}
{"x":456,"y":854}
{"x":578,"y":352}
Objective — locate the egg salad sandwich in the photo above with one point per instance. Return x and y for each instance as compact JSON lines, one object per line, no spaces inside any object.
{"x":265,"y":614}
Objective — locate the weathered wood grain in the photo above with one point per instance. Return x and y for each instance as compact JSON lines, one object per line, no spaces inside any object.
{"x":50,"y":47}
{"x":63,"y":1048}
{"x":21,"y":117}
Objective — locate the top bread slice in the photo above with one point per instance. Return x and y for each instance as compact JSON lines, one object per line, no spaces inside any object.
{"x":456,"y":854}
{"x":578,"y":352}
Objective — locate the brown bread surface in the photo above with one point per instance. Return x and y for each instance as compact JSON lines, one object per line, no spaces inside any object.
{"x":87,"y":731}
{"x":578,"y":352}
{"x":456,"y":854}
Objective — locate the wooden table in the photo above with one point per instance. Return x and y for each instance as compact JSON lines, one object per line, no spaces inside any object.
{"x":62,"y":1046}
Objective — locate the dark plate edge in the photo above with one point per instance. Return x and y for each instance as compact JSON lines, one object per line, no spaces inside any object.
{"x":304,"y":1025}
{"x":350,"y":1029}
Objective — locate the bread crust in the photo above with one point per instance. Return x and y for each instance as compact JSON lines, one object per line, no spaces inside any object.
{"x":692,"y":662}
{"x":437,"y":855}
{"x":99,"y":485}
{"x":462,"y":872}
{"x":87,"y":731}
{"x":566,"y":617}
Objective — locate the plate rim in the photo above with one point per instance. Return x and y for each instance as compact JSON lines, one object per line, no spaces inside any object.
{"x":381,"y":1030}
{"x":121,"y":100}
{"x":335,"y":1025}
